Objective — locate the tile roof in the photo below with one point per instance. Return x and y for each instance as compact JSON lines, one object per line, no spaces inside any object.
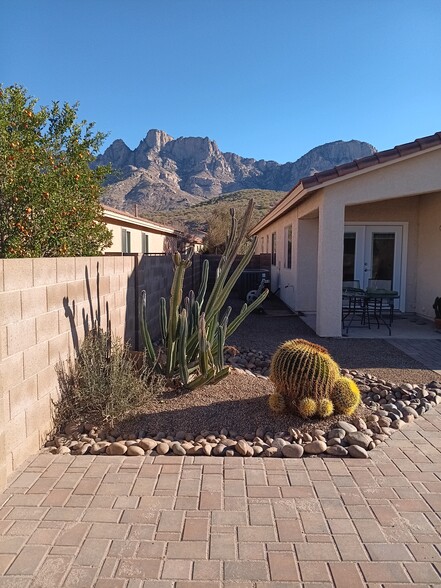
{"x":375,"y":159}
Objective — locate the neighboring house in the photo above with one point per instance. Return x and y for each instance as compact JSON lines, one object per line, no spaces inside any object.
{"x":377,"y":217}
{"x":135,"y":234}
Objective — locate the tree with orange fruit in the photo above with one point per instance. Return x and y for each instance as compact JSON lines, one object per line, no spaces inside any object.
{"x":49,"y":194}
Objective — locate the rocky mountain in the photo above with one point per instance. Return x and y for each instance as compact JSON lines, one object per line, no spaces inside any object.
{"x":163,"y":173}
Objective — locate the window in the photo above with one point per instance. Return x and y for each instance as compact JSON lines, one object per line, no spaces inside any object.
{"x":267,"y":243}
{"x":261,"y":245}
{"x":126,"y":244}
{"x":273,"y":249}
{"x":288,"y":247}
{"x":145,"y":243}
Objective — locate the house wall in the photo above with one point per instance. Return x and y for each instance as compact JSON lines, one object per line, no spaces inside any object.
{"x":157,"y":241}
{"x":46,"y":306}
{"x":404,"y":210}
{"x":428,"y":273}
{"x":389,"y":192}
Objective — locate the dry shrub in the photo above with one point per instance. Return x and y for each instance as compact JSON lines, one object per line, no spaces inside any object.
{"x":103,"y":384}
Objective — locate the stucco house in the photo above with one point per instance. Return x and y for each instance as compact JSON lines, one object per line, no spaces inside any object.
{"x":136,"y":234}
{"x":377,"y":217}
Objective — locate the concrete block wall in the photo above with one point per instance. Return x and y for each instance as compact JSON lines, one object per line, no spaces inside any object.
{"x":46,"y":305}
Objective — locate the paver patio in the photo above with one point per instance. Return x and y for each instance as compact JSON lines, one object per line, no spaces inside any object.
{"x":208,"y":522}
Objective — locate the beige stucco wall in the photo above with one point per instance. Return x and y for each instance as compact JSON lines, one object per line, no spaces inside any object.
{"x":428,"y":275}
{"x":407,"y":190}
{"x":156,"y":240}
{"x":398,"y":210}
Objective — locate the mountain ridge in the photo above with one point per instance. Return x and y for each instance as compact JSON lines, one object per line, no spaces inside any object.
{"x":163,"y":173}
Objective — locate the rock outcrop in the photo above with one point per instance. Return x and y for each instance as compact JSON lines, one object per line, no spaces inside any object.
{"x":163,"y":173}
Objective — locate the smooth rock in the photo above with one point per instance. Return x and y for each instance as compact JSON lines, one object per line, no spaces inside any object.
{"x":116,"y":448}
{"x":162,"y":448}
{"x":135,"y":450}
{"x":148,"y":443}
{"x":292,"y":450}
{"x":358,"y":438}
{"x":336,"y":434}
{"x":348,"y":427}
{"x":357,"y":451}
{"x":337,"y":450}
{"x":315,"y":447}
{"x":178,"y":449}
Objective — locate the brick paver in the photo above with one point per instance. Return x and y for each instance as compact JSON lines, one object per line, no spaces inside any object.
{"x":172,"y":522}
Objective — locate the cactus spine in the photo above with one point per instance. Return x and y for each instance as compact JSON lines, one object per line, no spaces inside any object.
{"x":199,"y":343}
{"x":309,"y":379}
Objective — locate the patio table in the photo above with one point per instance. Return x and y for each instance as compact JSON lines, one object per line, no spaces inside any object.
{"x":365,"y":306}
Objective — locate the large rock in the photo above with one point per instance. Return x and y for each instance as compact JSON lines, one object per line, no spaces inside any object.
{"x":358,"y":438}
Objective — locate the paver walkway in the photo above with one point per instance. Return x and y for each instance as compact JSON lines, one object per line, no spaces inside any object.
{"x":426,"y":351}
{"x":170,"y":522}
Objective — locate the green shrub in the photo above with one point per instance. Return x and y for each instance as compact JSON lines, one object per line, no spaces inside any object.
{"x":102,"y":384}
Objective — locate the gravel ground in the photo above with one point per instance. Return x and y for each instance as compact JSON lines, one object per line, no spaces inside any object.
{"x":376,"y":356}
{"x":239,"y":402}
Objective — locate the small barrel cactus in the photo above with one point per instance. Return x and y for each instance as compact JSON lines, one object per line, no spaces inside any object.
{"x":309,"y":381}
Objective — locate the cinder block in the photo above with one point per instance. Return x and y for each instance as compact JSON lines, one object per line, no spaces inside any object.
{"x":11,"y":371}
{"x":82,"y":267}
{"x":58,"y":348}
{"x":22,"y":396}
{"x":119,"y":264}
{"x":66,"y":269}
{"x":47,"y":326}
{"x":108,"y":265}
{"x":104,"y":285}
{"x":21,"y":335}
{"x":15,"y":431}
{"x":35,"y":359}
{"x":33,"y":301}
{"x":56,"y":296}
{"x":3,"y":343}
{"x":10,"y":307}
{"x":47,"y":381}
{"x":45,"y":271}
{"x":38,"y":416}
{"x":76,"y":291}
{"x":17,"y":274}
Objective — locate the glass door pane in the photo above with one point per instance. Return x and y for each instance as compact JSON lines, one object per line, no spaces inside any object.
{"x":349,"y":257}
{"x":383,"y":255}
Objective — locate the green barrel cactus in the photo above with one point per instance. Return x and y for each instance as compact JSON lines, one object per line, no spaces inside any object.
{"x":309,"y":380}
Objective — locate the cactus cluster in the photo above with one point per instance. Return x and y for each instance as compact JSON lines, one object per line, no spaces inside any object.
{"x":308,"y":380}
{"x":194,"y":330}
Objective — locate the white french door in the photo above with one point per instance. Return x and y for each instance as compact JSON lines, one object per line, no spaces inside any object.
{"x":375,"y":252}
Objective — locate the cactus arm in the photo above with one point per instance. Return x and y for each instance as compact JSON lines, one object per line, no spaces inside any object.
{"x":182,"y":348}
{"x":204,"y":282}
{"x":144,"y":329}
{"x":203,"y":347}
{"x":246,"y":310}
{"x":163,"y":319}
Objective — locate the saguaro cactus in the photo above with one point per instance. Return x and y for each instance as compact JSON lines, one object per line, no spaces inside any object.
{"x":194,"y":331}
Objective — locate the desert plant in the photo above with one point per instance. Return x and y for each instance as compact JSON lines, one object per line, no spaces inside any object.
{"x":345,"y":396}
{"x":194,"y":331}
{"x":102,"y":384}
{"x":309,"y":379}
{"x":437,"y":307}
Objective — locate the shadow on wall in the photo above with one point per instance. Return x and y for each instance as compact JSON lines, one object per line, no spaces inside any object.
{"x":91,"y":320}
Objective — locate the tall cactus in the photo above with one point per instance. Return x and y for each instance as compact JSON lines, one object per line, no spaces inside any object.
{"x":308,"y":379}
{"x":193,"y":334}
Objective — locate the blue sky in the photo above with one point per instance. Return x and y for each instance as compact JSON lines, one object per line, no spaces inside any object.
{"x":268,"y":79}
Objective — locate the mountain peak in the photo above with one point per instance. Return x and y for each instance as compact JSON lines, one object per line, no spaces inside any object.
{"x":164,"y":173}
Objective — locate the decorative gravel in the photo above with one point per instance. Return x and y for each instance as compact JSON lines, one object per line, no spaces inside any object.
{"x":232,"y":418}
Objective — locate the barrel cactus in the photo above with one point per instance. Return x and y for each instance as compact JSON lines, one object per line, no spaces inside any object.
{"x":309,"y":380}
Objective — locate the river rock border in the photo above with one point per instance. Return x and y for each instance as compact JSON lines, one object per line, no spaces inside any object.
{"x":392,"y":406}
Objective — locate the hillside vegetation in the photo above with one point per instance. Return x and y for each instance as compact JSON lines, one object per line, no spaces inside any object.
{"x":196,"y":219}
